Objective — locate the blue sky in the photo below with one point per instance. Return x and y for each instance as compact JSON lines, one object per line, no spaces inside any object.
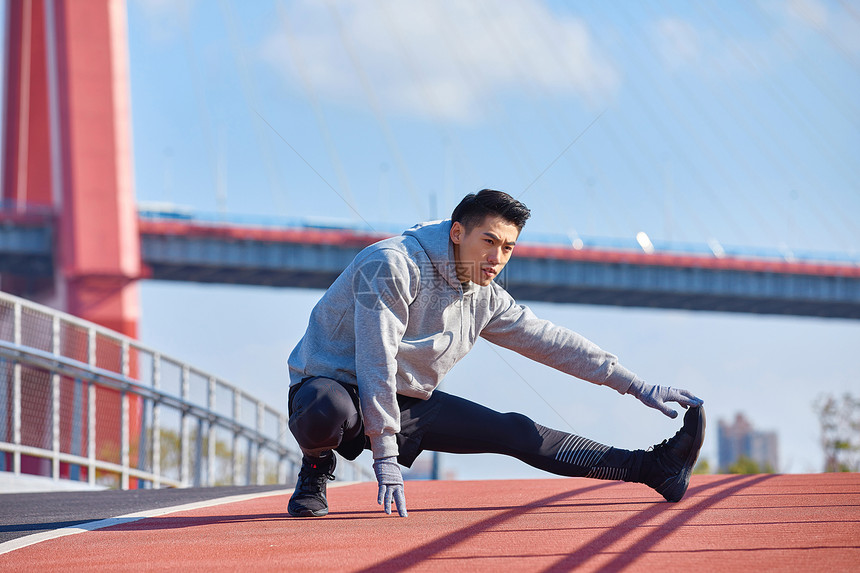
{"x":730,"y":121}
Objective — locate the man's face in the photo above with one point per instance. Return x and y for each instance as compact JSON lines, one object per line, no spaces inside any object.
{"x":481,"y":253}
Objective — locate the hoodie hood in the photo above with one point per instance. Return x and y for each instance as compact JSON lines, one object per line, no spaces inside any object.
{"x":435,"y":238}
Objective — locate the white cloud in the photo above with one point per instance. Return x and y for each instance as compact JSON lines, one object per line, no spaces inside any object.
{"x":166,"y":9}
{"x":839,"y":23}
{"x":678,"y":42}
{"x":718,"y":49}
{"x":441,"y":58}
{"x":809,"y":12}
{"x":164,"y":18}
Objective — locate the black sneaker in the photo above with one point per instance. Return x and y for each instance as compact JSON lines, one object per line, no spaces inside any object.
{"x":667,"y":467}
{"x":308,"y":499}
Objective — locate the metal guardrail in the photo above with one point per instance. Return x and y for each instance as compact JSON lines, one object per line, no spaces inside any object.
{"x":81,"y":402}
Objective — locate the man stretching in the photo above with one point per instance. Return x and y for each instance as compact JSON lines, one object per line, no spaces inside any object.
{"x":404,"y":312}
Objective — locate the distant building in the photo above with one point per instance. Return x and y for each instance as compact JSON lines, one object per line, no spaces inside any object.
{"x":740,"y":439}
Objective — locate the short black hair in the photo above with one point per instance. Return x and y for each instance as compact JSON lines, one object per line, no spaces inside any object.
{"x":476,"y":206}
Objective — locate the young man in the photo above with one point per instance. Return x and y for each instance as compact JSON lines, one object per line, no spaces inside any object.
{"x":396,"y":321}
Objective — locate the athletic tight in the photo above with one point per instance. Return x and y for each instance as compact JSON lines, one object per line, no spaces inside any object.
{"x":324,"y":416}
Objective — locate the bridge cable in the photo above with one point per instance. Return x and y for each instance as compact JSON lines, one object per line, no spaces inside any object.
{"x":827,"y":91}
{"x":590,"y":162}
{"x":312,"y":168}
{"x":375,"y":106}
{"x":796,"y":162}
{"x":202,"y":107}
{"x":681,"y":149}
{"x":301,"y":66}
{"x":520,"y":158}
{"x":408,"y":57}
{"x":630,"y":160}
{"x":781,"y":93}
{"x":556,"y":210}
{"x":247,"y":84}
{"x":704,"y":143}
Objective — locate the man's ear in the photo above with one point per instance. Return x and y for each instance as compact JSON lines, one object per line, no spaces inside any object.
{"x":457,"y":232}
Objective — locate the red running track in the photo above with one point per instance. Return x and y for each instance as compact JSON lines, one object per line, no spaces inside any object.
{"x":725,"y":523}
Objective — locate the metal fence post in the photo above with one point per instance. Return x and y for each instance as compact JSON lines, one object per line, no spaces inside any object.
{"x":184,"y":446}
{"x":55,"y":402}
{"x":156,"y":421}
{"x":143,"y":440}
{"x":124,"y":456}
{"x":261,"y":411}
{"x":16,"y":394}
{"x":282,"y":440}
{"x":91,"y":409}
{"x":124,"y":423}
{"x":248,"y":461}
{"x":237,"y":414}
{"x":198,"y":454}
{"x":210,"y":466}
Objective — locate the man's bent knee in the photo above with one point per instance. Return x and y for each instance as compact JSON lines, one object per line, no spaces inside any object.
{"x":320,"y":410}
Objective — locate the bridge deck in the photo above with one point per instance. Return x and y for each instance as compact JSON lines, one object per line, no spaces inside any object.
{"x":303,"y":257}
{"x":779,"y":522}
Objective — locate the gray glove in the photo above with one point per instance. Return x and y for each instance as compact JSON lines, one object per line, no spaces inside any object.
{"x":657,"y":396}
{"x":390,"y":484}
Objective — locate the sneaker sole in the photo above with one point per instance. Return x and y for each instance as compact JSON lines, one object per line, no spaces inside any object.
{"x":308,"y":513}
{"x":683,"y":477}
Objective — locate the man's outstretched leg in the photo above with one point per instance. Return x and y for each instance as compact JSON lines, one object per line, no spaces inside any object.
{"x":462,"y":426}
{"x":323,"y":416}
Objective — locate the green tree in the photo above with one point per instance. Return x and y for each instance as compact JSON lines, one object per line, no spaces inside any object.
{"x":747,"y":465}
{"x":839,"y":418}
{"x":703,"y":467}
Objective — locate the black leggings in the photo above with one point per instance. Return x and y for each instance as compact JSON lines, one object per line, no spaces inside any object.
{"x":324,"y":415}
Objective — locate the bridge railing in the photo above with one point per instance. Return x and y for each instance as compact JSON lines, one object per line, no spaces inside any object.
{"x":81,"y":402}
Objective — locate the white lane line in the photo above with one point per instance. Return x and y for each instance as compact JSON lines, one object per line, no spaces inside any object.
{"x":28,"y":540}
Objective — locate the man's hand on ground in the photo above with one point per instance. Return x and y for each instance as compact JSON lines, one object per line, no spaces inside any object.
{"x":657,"y":396}
{"x":390,"y":484}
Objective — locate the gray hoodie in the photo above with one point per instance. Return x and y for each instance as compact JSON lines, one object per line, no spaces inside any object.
{"x":398,"y":319}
